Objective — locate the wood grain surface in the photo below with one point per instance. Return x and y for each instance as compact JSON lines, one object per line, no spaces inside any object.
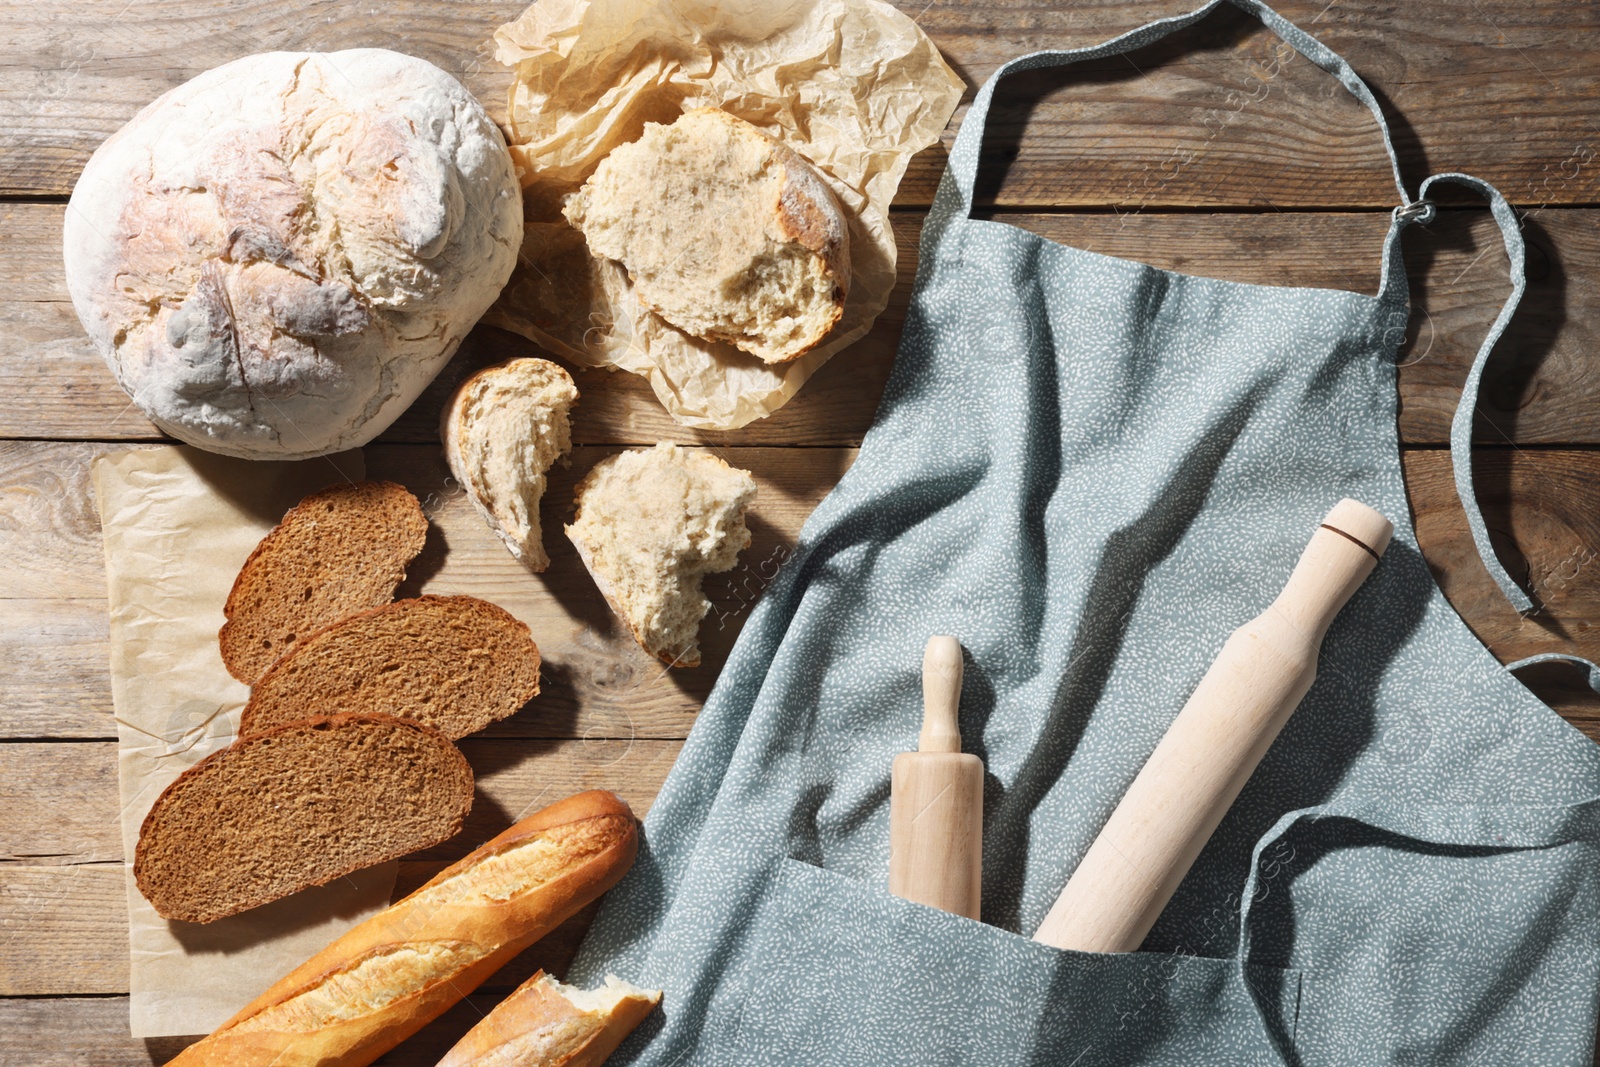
{"x":1223,"y":115}
{"x":1216,"y":153}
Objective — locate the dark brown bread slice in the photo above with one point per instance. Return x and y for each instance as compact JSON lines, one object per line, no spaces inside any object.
{"x":339,"y":551}
{"x":298,"y":806}
{"x":456,"y":663}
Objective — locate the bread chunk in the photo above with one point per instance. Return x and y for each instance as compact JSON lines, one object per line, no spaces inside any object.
{"x":546,"y":1023}
{"x":727,"y":234}
{"x":504,"y":428}
{"x":455,"y":663}
{"x":276,"y":257}
{"x":339,"y":551}
{"x":298,"y":806}
{"x":650,"y":526}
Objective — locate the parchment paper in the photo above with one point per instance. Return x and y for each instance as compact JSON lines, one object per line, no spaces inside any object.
{"x":178,"y":524}
{"x":852,"y":85}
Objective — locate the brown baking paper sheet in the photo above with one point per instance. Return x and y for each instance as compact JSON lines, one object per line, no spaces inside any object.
{"x":178,"y":524}
{"x":852,"y":85}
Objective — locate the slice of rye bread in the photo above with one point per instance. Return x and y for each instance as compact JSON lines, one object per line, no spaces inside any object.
{"x":455,"y":663}
{"x":339,"y":551}
{"x":298,"y":806}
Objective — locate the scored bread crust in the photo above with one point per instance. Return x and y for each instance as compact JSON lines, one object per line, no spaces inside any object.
{"x":503,"y":928}
{"x":268,"y":706}
{"x":526,"y":1029}
{"x":148,"y":879}
{"x":260,"y":596}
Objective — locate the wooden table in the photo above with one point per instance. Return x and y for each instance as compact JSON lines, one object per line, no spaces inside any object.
{"x":1214,"y":153}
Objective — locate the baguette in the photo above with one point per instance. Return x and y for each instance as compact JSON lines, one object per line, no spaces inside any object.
{"x":393,"y":974}
{"x":548,"y":1024}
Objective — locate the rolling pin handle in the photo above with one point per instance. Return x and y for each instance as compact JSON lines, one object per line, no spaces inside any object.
{"x":941,"y":696}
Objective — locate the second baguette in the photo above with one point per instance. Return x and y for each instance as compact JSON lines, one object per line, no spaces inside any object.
{"x":393,"y":974}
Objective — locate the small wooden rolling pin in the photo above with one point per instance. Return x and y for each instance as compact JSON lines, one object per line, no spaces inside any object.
{"x":936,"y":799}
{"x":1152,"y":838}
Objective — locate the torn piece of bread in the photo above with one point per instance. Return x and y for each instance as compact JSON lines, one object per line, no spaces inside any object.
{"x":298,"y":806}
{"x":727,"y":234}
{"x":649,"y":526}
{"x":339,"y":551}
{"x":388,"y":977}
{"x":455,"y":663}
{"x":546,"y":1023}
{"x":502,"y":430}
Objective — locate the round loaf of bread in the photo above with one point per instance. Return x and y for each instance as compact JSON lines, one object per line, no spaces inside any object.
{"x":276,"y":257}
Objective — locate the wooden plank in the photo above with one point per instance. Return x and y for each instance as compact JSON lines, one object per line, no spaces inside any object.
{"x":65,"y":931}
{"x":1541,"y":387}
{"x":1541,"y":512}
{"x":93,"y":1032}
{"x":599,"y":685}
{"x":55,"y":680}
{"x":597,"y":682}
{"x":1220,"y":115}
{"x":59,"y":804}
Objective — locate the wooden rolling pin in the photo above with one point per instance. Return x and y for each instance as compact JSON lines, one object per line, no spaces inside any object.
{"x":936,"y":799}
{"x":1152,"y":838}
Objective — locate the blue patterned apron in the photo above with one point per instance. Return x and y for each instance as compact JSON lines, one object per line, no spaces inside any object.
{"x":1091,"y":471}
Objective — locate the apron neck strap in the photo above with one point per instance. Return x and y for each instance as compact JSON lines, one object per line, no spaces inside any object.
{"x":1393,"y":287}
{"x":955,"y":193}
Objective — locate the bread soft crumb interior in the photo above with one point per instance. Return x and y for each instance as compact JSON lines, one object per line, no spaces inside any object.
{"x":692,"y":210}
{"x":511,"y":425}
{"x":650,"y":526}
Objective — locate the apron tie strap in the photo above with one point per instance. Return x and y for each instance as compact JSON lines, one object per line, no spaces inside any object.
{"x":1561,"y":657}
{"x":1392,"y":288}
{"x":955,"y":194}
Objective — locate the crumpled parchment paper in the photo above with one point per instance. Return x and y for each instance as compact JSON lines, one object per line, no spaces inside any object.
{"x":852,"y":85}
{"x":178,"y":524}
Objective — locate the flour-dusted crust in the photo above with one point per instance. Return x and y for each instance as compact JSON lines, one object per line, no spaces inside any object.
{"x":276,"y":257}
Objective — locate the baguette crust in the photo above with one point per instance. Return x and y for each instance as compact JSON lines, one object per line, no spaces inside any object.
{"x":538,"y":1026}
{"x":361,"y":1023}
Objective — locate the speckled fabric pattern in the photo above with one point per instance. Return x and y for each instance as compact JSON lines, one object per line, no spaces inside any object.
{"x":1091,"y":471}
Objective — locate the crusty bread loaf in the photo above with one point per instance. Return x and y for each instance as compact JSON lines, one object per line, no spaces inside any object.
{"x":502,"y":430}
{"x":726,"y":234}
{"x":297,"y":806}
{"x":650,"y":526}
{"x":548,"y":1024}
{"x":277,"y":257}
{"x":339,"y":551}
{"x":455,"y":663}
{"x":388,"y":977}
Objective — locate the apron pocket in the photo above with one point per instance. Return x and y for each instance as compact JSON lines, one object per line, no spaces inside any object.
{"x":1434,"y":935}
{"x":841,"y":973}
